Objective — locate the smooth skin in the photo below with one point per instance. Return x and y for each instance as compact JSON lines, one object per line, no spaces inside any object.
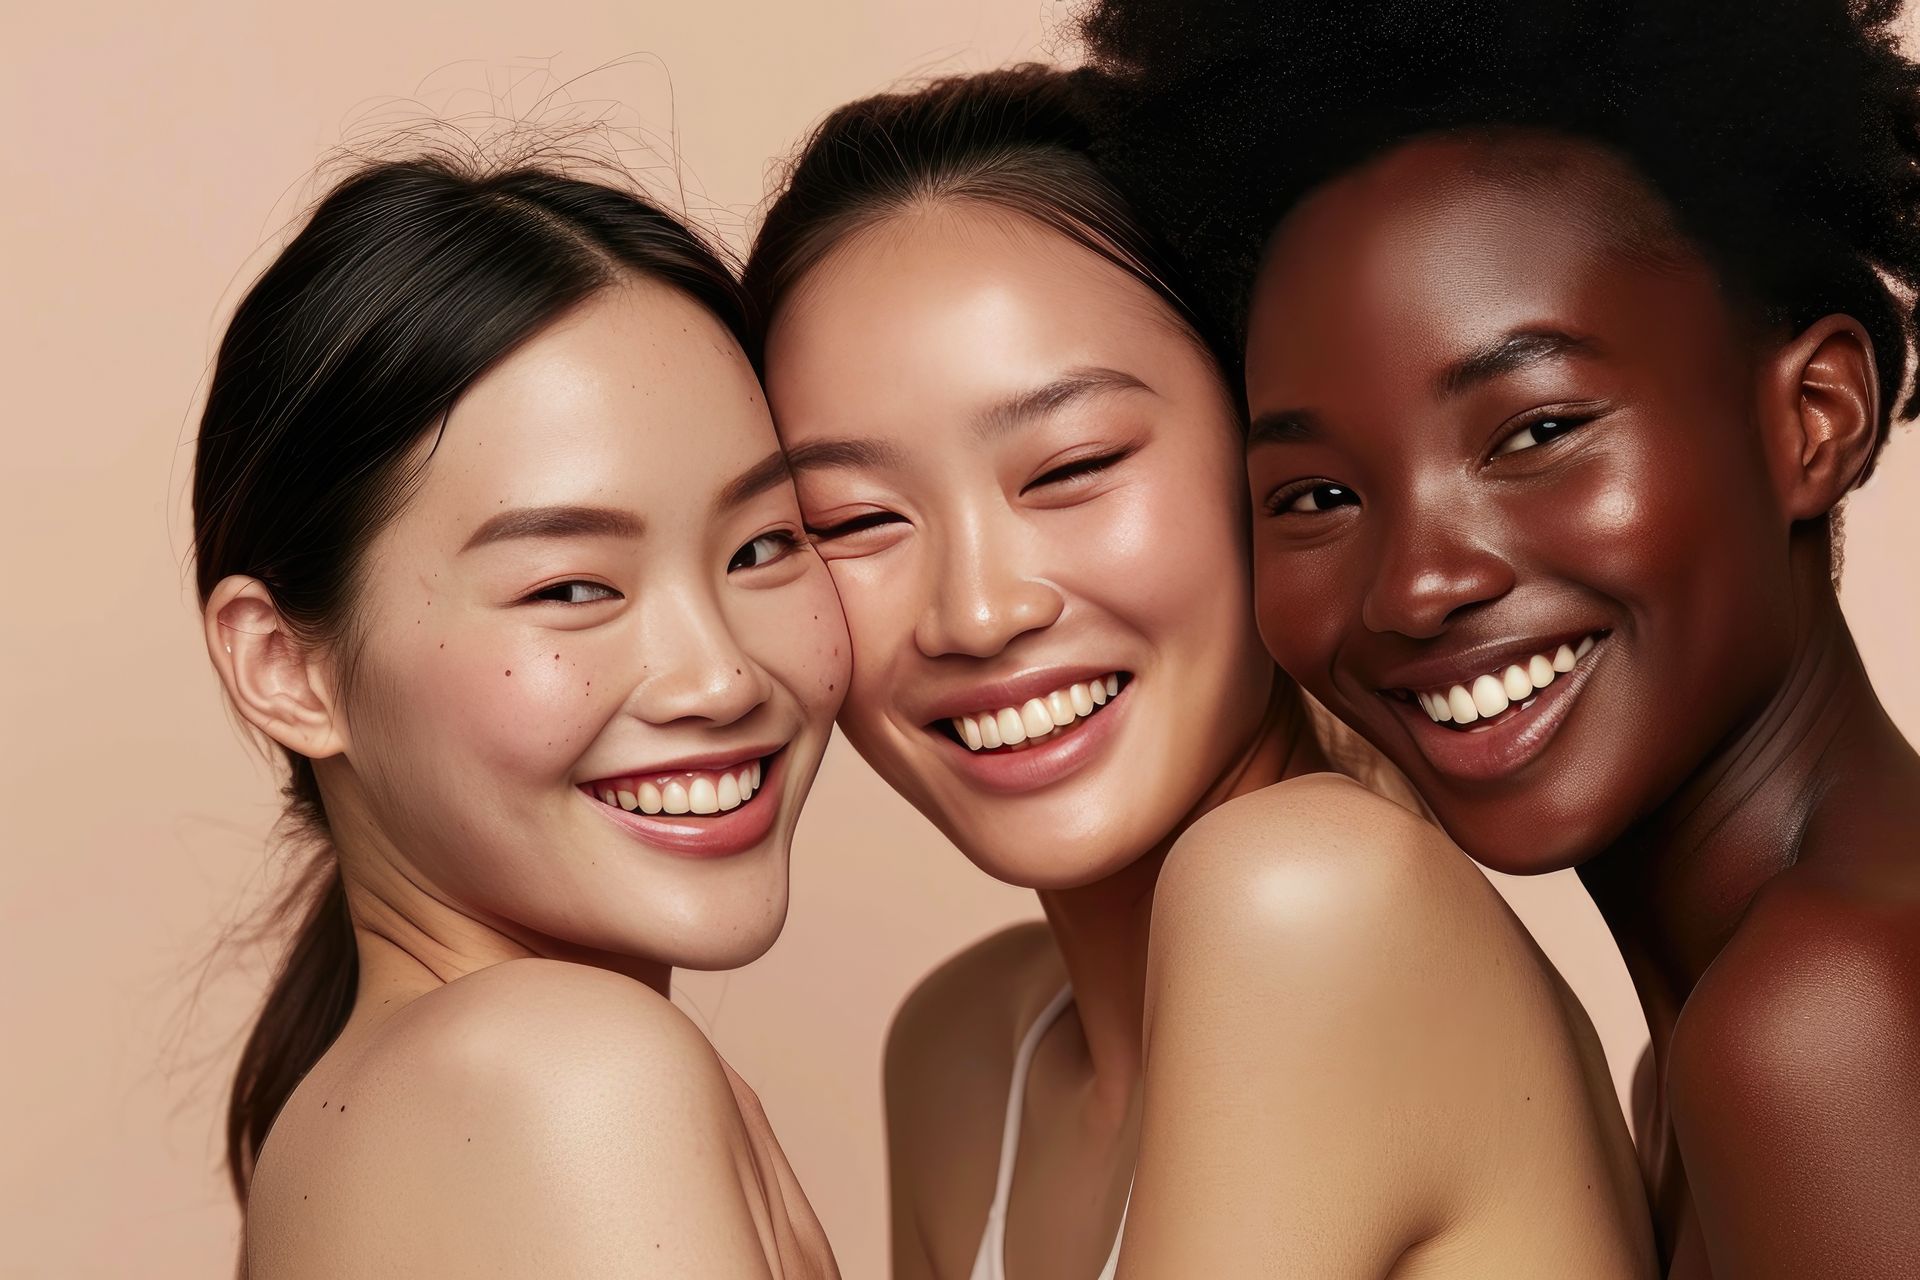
{"x":1497,"y":397}
{"x":513,"y":1090}
{"x":1015,"y":460}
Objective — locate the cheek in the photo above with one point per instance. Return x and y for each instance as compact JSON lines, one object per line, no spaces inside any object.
{"x":1302,"y":597}
{"x":798,"y":636}
{"x":880,"y":604}
{"x":494,"y":697}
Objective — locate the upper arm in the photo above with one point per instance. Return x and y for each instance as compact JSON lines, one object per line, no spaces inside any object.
{"x":564,"y":1123}
{"x":1325,"y":1024}
{"x":1795,"y":1087}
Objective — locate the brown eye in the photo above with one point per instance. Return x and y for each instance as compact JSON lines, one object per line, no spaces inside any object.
{"x":1318,"y":498}
{"x":578,"y":591}
{"x":763,"y":550}
{"x":1539,"y":432}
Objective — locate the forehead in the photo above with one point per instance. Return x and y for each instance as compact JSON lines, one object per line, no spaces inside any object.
{"x":934,"y":313}
{"x":637,"y":397}
{"x":1445,"y":243}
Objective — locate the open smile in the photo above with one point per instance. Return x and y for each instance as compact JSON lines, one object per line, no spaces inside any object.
{"x":1487,"y":726}
{"x":711,"y":811}
{"x":1043,"y":739}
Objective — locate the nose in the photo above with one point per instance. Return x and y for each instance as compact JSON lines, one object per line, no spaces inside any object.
{"x":981,"y":592}
{"x":1428,"y":571}
{"x":693,"y":668}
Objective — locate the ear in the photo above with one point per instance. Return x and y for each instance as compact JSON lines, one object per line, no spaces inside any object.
{"x":282,"y":689}
{"x":1821,"y":413}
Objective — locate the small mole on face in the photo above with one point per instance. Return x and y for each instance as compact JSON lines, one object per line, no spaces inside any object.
{"x":509,"y":671}
{"x":443,"y":644}
{"x":343,"y":1106}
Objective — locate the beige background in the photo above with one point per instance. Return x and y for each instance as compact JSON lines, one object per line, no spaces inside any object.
{"x":150,"y":154}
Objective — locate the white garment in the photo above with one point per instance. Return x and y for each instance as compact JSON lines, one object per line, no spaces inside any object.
{"x":990,"y":1263}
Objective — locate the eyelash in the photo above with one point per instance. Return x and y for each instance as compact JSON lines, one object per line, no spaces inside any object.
{"x":1077,"y":468}
{"x":846,"y":528}
{"x":1277,"y":503}
{"x":788,"y":541}
{"x":1567,"y":422}
{"x":543,"y":594}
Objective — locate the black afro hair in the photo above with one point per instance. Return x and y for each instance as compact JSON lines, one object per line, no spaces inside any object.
{"x":1785,"y":137}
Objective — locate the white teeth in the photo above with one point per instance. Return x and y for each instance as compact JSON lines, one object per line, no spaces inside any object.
{"x":1489,"y":699}
{"x":703,"y":797}
{"x":1493,"y":693}
{"x":1036,"y":718}
{"x":703,"y":793}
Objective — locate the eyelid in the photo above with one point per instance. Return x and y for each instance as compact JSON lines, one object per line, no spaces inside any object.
{"x":1086,"y":464}
{"x":533,"y":596}
{"x":846,"y":527}
{"x":1574,"y":416}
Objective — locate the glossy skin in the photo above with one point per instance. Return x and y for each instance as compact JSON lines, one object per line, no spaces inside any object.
{"x":516,"y":939}
{"x":1717,"y":766}
{"x":972,"y":544}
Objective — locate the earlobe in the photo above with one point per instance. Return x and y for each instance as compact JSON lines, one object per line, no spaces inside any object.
{"x":1822,"y":415}
{"x":276,"y":684}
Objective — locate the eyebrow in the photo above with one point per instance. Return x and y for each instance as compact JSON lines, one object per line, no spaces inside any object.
{"x":1280,"y":426}
{"x":847,"y":455}
{"x":1018,"y":410}
{"x":768,"y":473}
{"x":1507,"y":354}
{"x":557,"y":522}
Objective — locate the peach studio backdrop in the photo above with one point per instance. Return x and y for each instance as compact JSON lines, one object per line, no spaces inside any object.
{"x":155,"y":151}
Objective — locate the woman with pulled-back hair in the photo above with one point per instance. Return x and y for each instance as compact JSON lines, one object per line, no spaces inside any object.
{"x":495,"y":542}
{"x":1025,"y":468}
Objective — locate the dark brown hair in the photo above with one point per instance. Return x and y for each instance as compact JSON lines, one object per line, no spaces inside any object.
{"x":1015,"y":139}
{"x":410,"y":280}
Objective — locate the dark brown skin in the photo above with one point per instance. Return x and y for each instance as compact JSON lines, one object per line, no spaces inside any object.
{"x":1742,"y":810}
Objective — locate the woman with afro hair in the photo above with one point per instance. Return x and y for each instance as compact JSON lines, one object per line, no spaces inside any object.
{"x":1566,"y":330}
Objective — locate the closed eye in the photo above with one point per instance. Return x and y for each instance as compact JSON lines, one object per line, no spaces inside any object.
{"x":1076,"y":469}
{"x":863,"y":521}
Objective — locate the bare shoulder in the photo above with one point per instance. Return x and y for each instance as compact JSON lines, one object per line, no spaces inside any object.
{"x":1320,"y":858}
{"x":563,"y":1113}
{"x":1795,"y":1083}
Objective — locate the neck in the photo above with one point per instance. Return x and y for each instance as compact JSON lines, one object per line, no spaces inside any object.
{"x":1102,"y":928}
{"x":411,"y":937}
{"x":1674,"y":888}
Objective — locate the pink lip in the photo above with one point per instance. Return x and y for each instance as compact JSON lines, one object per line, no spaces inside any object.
{"x":1012,"y":692}
{"x":717,"y":835}
{"x":1488,"y":754}
{"x":1013,"y":772}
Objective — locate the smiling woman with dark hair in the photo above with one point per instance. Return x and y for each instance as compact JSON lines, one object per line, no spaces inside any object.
{"x":1565,"y":333}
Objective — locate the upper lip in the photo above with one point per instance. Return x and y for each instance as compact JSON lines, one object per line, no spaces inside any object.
{"x":1462,"y":664}
{"x":726,"y":758}
{"x":1012,"y":691}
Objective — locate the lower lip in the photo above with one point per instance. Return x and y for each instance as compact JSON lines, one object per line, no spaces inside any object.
{"x":1500,"y":750}
{"x":718,"y":835}
{"x":1029,"y":769}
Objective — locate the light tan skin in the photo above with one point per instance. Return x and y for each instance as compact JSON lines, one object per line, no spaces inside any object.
{"x":513,"y":1090}
{"x":1360,"y":1065}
